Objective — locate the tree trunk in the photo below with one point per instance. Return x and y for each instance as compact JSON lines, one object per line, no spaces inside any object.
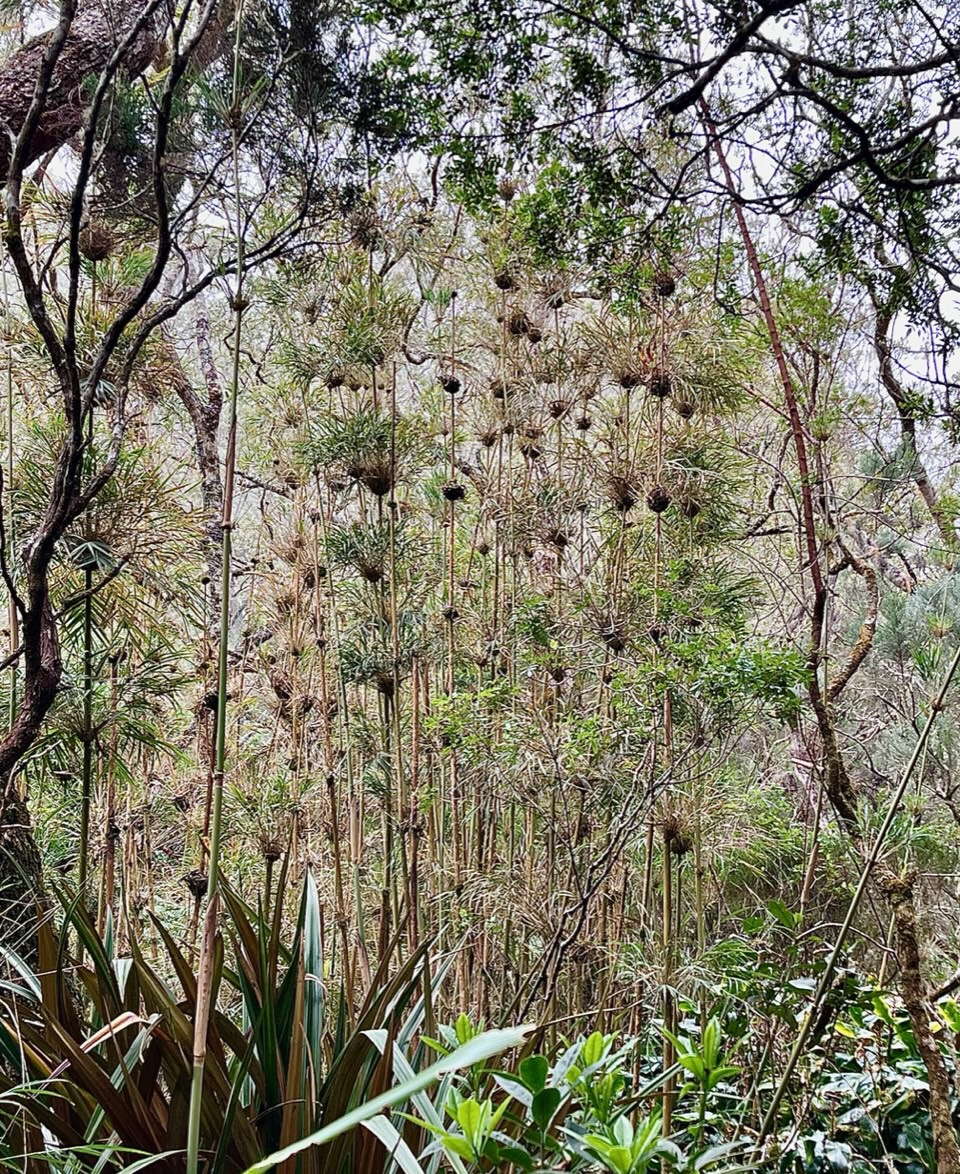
{"x":93,"y":37}
{"x":19,"y":857}
{"x":87,"y":41}
{"x":908,"y":430}
{"x":946,"y":1150}
{"x":19,"y":873}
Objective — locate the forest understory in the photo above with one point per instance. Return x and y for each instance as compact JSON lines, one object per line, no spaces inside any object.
{"x":478,"y":535}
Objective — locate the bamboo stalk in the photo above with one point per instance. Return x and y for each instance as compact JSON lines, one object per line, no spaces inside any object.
{"x":110,"y":815}
{"x":208,"y":940}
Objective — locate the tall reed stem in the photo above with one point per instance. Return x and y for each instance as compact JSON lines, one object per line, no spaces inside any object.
{"x":208,"y":939}
{"x":86,"y":784}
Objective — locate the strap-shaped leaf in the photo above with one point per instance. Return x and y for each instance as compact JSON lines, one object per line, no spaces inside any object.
{"x":480,"y":1048}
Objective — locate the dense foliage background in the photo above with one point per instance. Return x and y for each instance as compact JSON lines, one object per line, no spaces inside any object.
{"x":480,"y":539}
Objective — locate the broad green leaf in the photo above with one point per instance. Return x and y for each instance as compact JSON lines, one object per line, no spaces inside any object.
{"x":470,"y":1118}
{"x":711,"y":1043}
{"x":786,"y":917}
{"x":457,"y":1145}
{"x":533,"y":1072}
{"x":948,"y":1009}
{"x":545,"y":1104}
{"x":593,"y":1049}
{"x":719,"y":1075}
{"x":464,"y":1028}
